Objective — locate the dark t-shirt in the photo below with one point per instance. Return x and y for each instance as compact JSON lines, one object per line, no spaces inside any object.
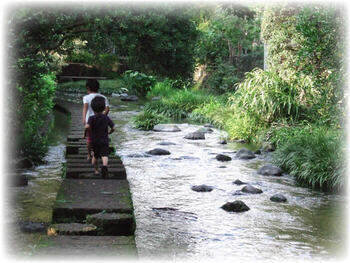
{"x":99,"y":128}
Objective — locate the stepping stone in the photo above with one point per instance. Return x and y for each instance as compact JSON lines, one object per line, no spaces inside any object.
{"x":195,"y":136}
{"x":72,"y":229}
{"x":158,"y":151}
{"x":78,"y":198}
{"x":270,"y":169}
{"x":166,"y":128}
{"x":251,"y":189}
{"x":223,"y":158}
{"x":88,"y":172}
{"x":245,"y":154}
{"x":113,"y":224}
{"x":238,"y":182}
{"x":87,"y":247}
{"x":202,"y":188}
{"x":73,"y":165}
{"x":236,"y":206}
{"x":279,"y":198}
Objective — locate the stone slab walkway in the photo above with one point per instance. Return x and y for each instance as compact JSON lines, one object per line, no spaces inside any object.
{"x":83,"y":195}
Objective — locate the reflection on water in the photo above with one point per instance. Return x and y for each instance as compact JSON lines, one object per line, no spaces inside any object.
{"x":33,"y":203}
{"x":175,"y":222}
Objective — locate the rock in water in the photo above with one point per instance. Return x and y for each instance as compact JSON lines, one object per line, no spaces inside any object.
{"x":236,"y":206}
{"x":251,"y":189}
{"x":205,"y":130}
{"x":158,"y":151}
{"x":223,"y":158}
{"x":166,"y":128}
{"x":239,"y":182}
{"x":195,"y":136}
{"x":202,"y":188}
{"x":166,"y":143}
{"x":129,"y":98}
{"x":278,"y":198}
{"x":245,"y":154}
{"x":270,"y":169}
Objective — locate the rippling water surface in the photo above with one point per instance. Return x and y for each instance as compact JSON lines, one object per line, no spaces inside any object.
{"x":174,"y":222}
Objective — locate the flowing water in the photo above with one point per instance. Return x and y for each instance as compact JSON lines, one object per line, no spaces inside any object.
{"x":175,"y":222}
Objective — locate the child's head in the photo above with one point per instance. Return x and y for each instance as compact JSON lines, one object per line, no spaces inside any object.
{"x":92,"y":85}
{"x":98,"y":104}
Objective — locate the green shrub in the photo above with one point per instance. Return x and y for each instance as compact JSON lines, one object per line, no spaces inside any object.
{"x":35,"y":105}
{"x":161,"y":88}
{"x":147,"y":120}
{"x":137,"y":82}
{"x":313,"y":155}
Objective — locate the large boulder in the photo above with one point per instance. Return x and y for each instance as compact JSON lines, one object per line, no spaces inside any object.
{"x":236,"y":206}
{"x":195,"y":136}
{"x":251,"y":189}
{"x":202,"y":188}
{"x":279,"y":198}
{"x":112,"y":224}
{"x":158,"y":151}
{"x":270,"y":169}
{"x":166,"y":128}
{"x":245,"y":154}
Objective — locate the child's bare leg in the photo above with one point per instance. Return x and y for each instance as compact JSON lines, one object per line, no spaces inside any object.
{"x":104,"y":160}
{"x":95,"y":163}
{"x":89,"y":150}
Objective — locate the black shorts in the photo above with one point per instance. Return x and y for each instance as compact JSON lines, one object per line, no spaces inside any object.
{"x":100,"y":150}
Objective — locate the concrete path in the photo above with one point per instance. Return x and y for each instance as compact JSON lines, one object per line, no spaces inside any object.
{"x":83,"y":196}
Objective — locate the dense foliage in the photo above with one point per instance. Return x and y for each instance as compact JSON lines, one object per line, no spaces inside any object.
{"x":154,"y":40}
{"x":229,"y":45}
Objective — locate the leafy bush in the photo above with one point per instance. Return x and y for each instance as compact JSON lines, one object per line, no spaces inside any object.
{"x":313,"y":155}
{"x":35,"y":105}
{"x":137,"y":82}
{"x":147,"y":120}
{"x":221,"y":79}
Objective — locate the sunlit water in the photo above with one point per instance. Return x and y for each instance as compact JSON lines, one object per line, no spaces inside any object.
{"x":175,"y":222}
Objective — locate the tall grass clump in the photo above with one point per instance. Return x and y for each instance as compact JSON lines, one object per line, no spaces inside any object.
{"x":262,"y":99}
{"x":313,"y":155}
{"x":179,"y":104}
{"x":147,"y":120}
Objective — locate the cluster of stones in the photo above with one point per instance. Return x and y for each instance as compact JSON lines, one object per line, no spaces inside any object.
{"x":242,"y":154}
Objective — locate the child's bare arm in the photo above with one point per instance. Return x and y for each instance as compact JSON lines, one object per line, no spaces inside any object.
{"x":86,"y":128}
{"x":85,"y":109}
{"x":111,"y":130}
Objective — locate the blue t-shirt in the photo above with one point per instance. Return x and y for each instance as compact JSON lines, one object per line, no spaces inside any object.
{"x":99,"y":128}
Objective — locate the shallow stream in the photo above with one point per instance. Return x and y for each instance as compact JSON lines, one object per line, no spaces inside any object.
{"x":175,"y":222}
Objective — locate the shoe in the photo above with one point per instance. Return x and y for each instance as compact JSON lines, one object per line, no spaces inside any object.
{"x":104,"y":172}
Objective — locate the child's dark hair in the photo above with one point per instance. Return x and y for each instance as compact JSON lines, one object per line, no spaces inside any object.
{"x":98,"y":104}
{"x":92,"y":84}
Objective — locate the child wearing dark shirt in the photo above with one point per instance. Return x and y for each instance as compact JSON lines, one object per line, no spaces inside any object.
{"x":98,"y":125}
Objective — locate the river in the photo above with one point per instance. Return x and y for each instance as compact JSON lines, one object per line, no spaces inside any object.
{"x":175,"y":222}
